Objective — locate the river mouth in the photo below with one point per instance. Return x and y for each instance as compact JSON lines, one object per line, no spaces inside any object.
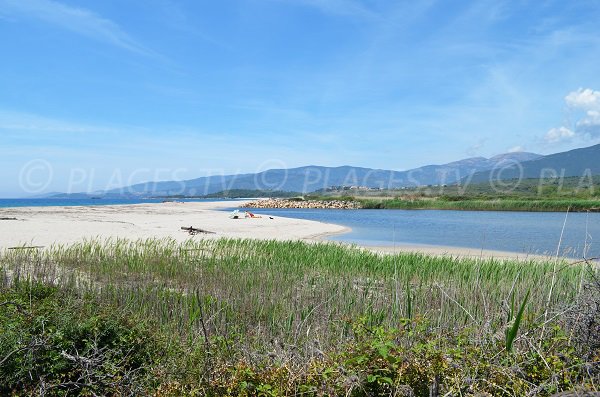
{"x":525,"y":233}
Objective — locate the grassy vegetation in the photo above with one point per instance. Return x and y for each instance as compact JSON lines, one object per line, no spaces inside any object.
{"x":554,"y":195}
{"x":549,"y":188}
{"x":557,"y":188}
{"x":264,"y":318}
{"x":478,"y":204}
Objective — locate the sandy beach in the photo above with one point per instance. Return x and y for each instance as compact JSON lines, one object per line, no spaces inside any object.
{"x":461,"y":252}
{"x":45,"y":226}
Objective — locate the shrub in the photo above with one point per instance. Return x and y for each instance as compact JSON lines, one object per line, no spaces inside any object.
{"x":584,"y":320}
{"x":54,"y":344}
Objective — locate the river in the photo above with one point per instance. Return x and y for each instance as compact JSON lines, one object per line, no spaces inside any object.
{"x":521,"y":232}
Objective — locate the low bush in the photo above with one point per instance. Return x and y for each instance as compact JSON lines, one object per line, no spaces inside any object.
{"x":55,"y":343}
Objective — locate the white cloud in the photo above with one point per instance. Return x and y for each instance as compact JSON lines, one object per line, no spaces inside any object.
{"x":584,"y":108}
{"x":588,"y":101}
{"x":560,"y":134}
{"x":585,"y":99}
{"x":78,"y":20}
{"x":516,"y":149}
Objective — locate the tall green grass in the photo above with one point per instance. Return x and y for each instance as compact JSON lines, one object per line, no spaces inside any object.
{"x":294,"y":292}
{"x":469,"y":204}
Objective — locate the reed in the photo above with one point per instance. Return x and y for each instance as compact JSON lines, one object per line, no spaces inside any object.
{"x":293,"y":291}
{"x":470,"y":204}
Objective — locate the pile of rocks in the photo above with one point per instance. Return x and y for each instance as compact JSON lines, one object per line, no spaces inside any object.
{"x":319,"y":204}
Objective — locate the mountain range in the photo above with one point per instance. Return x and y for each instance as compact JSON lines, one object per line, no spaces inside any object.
{"x":582,"y":162}
{"x":578,"y":162}
{"x":312,"y":178}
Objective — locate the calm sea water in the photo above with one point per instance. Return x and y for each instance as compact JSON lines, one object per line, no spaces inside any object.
{"x":523,"y":232}
{"x":6,"y":203}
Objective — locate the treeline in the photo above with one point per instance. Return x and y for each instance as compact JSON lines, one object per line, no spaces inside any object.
{"x":573,"y":187}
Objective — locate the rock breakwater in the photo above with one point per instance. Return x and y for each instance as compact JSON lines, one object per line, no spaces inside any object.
{"x":304,"y":204}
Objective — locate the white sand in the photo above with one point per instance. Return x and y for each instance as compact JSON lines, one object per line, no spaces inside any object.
{"x":44,"y":226}
{"x":460,"y":252}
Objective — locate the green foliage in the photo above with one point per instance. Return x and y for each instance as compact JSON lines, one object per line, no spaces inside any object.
{"x":515,"y":321}
{"x":493,"y":204}
{"x":55,"y":342}
{"x":330,"y":197}
{"x":249,"y":318}
{"x":379,"y":361}
{"x":553,"y":194}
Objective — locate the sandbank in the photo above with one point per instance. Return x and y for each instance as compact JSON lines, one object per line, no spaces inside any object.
{"x":45,"y":226}
{"x":459,"y":252}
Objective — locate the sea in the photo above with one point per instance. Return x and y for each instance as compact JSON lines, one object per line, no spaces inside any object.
{"x":69,"y":202}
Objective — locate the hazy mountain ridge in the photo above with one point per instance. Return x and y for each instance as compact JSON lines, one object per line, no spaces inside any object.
{"x":573,"y":163}
{"x":311,"y":178}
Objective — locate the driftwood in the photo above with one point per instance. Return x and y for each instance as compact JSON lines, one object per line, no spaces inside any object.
{"x":8,"y":219}
{"x":193,"y":231}
{"x":26,"y":248}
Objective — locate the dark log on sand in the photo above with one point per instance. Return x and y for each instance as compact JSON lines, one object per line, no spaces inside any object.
{"x":193,"y":231}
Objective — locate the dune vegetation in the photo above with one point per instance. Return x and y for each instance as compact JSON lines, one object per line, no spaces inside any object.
{"x":265,"y":318}
{"x":491,"y":204}
{"x":531,"y":195}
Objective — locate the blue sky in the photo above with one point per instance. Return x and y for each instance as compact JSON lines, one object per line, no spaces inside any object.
{"x":97,"y":94}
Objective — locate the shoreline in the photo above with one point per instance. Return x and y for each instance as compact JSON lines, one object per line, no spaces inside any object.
{"x":63,"y":225}
{"x":60,"y":225}
{"x":432,"y":204}
{"x":461,"y":252}
{"x":443,"y":250}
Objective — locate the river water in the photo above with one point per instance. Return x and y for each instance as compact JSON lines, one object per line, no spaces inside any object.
{"x":522,"y":232}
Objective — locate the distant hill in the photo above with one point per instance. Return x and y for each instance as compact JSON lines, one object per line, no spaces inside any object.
{"x":574,"y":163}
{"x":458,"y":170}
{"x":312,"y":178}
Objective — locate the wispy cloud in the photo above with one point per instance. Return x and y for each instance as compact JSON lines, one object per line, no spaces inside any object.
{"x":351,"y":8}
{"x":25,"y":135}
{"x":20,"y":122}
{"x":78,"y":20}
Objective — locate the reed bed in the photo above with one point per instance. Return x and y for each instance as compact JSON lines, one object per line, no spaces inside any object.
{"x":265,"y":318}
{"x":294,"y":291}
{"x":473,"y":204}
